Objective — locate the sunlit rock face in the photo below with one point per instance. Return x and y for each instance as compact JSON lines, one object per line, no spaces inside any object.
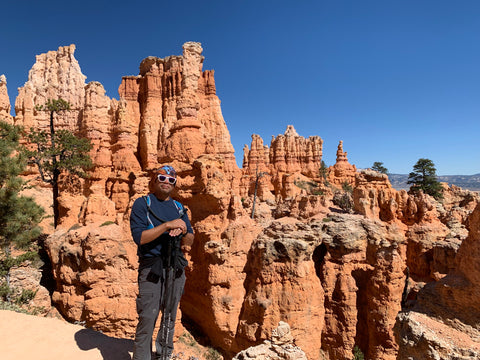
{"x":54,"y":75}
{"x":270,"y":243}
{"x":290,"y":157}
{"x":342,"y":172}
{"x":445,"y":321}
{"x":5,"y":106}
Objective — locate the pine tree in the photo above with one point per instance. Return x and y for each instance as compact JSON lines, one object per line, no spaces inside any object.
{"x":378,"y":166}
{"x":58,"y":151}
{"x":324,"y":173}
{"x":19,"y":215}
{"x":423,"y":177}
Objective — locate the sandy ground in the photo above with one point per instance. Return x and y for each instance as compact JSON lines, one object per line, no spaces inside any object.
{"x":25,"y":337}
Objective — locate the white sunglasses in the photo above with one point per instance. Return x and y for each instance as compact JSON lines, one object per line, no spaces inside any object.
{"x":164,"y":179}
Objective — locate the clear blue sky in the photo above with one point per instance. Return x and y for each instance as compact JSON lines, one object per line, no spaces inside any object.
{"x":395,"y":80}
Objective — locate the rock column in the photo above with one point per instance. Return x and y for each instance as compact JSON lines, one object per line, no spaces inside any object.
{"x":4,"y":101}
{"x":150,"y":98}
{"x":186,"y":141}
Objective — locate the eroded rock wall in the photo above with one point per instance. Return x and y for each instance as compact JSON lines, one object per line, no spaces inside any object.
{"x":290,"y":254}
{"x":445,"y":321}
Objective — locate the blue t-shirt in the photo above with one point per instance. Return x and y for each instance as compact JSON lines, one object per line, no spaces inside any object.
{"x":141,"y":220}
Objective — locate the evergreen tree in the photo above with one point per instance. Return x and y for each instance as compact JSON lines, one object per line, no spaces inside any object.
{"x":378,"y":166}
{"x":19,"y":215}
{"x":357,"y":353}
{"x":58,"y":151}
{"x":324,"y":172}
{"x":423,"y":177}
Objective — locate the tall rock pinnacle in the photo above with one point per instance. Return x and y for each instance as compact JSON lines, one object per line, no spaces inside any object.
{"x":4,"y":101}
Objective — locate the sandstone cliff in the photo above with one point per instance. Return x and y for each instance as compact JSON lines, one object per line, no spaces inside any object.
{"x":444,"y":322}
{"x":291,"y":253}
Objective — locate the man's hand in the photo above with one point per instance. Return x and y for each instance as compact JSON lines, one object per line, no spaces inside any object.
{"x":176,"y":227}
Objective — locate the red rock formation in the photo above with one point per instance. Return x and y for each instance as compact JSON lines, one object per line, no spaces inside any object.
{"x":342,"y":172}
{"x":281,"y":346}
{"x":214,"y":298}
{"x":290,"y":158}
{"x":444,"y":322}
{"x":4,"y":101}
{"x":178,"y":109}
{"x":280,"y":274}
{"x":335,"y":278}
{"x":126,"y":137}
{"x":361,"y":269}
{"x":54,"y":75}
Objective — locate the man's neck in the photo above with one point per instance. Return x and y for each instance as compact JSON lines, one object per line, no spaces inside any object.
{"x":162,"y":196}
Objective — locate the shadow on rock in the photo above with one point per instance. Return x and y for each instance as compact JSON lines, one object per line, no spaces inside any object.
{"x":111,"y":348}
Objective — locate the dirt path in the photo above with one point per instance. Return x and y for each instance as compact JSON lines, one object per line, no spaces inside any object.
{"x":25,"y":337}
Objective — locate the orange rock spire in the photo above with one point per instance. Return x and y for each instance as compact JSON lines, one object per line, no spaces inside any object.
{"x":342,"y":172}
{"x":4,"y":101}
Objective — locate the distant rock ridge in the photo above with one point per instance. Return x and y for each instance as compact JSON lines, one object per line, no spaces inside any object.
{"x":270,"y":243}
{"x":467,"y":182}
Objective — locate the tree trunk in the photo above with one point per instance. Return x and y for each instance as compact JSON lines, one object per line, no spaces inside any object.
{"x":56,"y":173}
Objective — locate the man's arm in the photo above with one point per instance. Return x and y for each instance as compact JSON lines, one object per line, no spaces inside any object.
{"x":174,"y":227}
{"x":187,"y":241}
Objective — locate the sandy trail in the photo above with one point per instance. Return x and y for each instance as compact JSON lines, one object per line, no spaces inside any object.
{"x":24,"y":337}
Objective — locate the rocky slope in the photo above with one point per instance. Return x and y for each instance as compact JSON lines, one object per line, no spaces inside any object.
{"x":274,"y":241}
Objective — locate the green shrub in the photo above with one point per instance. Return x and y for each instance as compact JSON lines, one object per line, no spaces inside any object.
{"x":357,"y":353}
{"x":187,"y":339}
{"x":75,"y":227}
{"x":25,"y":296}
{"x":344,"y":201}
{"x":213,"y":354}
{"x":5,"y":291}
{"x":347,"y":187}
{"x":7,"y":262}
{"x":310,"y":187}
{"x":34,"y":310}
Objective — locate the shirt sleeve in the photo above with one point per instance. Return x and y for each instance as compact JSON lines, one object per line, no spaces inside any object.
{"x":138,"y":219}
{"x":187,"y":222}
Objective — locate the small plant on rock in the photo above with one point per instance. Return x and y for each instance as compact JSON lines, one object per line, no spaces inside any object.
{"x":357,"y":353}
{"x":344,"y":200}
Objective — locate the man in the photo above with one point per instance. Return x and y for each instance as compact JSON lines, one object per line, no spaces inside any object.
{"x":160,"y":227}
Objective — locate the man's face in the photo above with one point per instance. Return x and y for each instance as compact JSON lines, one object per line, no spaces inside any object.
{"x":165,"y":183}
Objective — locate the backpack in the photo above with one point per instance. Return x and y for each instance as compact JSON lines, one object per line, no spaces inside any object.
{"x":174,"y":254}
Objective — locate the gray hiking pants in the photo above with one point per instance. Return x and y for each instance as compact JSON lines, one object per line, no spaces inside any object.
{"x":149,"y":302}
